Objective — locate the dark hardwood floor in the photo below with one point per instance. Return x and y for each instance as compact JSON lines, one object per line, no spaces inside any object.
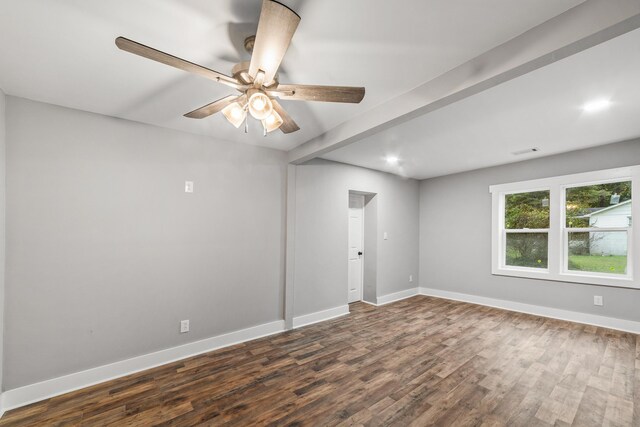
{"x":421,"y":361}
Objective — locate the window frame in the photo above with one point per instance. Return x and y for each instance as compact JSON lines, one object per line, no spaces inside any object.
{"x":557,"y":261}
{"x":505,"y":231}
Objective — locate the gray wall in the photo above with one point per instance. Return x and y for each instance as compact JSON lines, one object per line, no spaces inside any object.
{"x":322,"y":200}
{"x":106,"y":252}
{"x":3,"y":171}
{"x":455,"y":234}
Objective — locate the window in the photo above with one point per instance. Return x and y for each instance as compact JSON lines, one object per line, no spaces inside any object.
{"x":574,"y":228}
{"x":597,"y":225}
{"x":526,"y":229}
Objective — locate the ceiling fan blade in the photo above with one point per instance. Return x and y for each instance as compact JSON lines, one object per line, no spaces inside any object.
{"x":275,"y":31}
{"x":288,"y":125}
{"x":348,"y":94}
{"x":173,"y":61}
{"x":212,"y":108}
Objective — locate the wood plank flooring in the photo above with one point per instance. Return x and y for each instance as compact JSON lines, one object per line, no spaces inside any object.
{"x":422,"y":361}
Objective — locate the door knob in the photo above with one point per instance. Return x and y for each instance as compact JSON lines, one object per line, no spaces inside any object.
{"x":359,"y":253}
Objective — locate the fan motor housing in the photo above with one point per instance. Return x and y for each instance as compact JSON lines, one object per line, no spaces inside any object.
{"x":240,"y":71}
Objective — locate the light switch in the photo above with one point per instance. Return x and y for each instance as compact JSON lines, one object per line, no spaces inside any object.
{"x":188,"y":186}
{"x":385,"y":236}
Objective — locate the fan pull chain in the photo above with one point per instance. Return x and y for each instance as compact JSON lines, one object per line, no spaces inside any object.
{"x":264,"y":130}
{"x":246,"y":124}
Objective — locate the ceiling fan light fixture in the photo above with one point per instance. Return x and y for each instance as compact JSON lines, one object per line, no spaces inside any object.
{"x":260,"y":106}
{"x":257,"y":79}
{"x":235,"y":114}
{"x":272,"y":122}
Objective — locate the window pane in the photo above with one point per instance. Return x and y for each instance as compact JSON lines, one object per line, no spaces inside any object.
{"x":600,"y":205}
{"x":527,"y":249}
{"x":598,"y":252}
{"x":527,"y":210}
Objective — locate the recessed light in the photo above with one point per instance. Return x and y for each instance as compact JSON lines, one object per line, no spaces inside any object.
{"x":596,"y":105}
{"x":392,"y":160}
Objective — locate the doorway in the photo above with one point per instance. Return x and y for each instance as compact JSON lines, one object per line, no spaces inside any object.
{"x":356,"y":247}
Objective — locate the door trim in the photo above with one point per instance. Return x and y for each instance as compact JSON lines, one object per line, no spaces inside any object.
{"x":361,"y":199}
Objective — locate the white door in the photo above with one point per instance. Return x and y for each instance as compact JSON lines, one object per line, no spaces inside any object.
{"x":356,"y":246}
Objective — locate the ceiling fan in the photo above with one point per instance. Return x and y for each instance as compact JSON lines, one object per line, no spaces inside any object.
{"x":256,"y":80}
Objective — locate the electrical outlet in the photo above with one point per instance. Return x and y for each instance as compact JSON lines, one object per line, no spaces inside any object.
{"x":188,"y":186}
{"x":184,"y":326}
{"x":597,"y":300}
{"x":411,"y":278}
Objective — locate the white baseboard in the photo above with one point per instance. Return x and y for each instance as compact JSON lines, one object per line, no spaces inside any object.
{"x":320,"y":316}
{"x":1,"y":405}
{"x":369,"y":302}
{"x":396,"y":296}
{"x":11,"y":399}
{"x":554,"y":313}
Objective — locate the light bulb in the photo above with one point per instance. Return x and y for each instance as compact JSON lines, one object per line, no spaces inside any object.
{"x":260,"y":105}
{"x":272,"y":122}
{"x":234,"y":113}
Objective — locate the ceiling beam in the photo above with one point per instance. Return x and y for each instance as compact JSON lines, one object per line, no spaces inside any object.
{"x":580,"y":28}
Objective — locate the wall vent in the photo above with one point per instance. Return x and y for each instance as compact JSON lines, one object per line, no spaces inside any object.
{"x":528,"y":150}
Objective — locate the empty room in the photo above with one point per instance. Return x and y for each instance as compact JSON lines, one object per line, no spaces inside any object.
{"x":320,"y":213}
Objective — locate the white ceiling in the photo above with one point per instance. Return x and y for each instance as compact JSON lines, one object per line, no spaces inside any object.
{"x":541,"y":109}
{"x":62,"y":52}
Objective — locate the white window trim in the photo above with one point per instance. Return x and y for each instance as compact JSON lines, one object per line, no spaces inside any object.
{"x":556,"y":265}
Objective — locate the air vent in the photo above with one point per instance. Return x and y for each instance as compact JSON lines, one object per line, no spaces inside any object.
{"x":528,"y":150}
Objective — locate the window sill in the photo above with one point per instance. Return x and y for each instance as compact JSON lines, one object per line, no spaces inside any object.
{"x":616,"y":282}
